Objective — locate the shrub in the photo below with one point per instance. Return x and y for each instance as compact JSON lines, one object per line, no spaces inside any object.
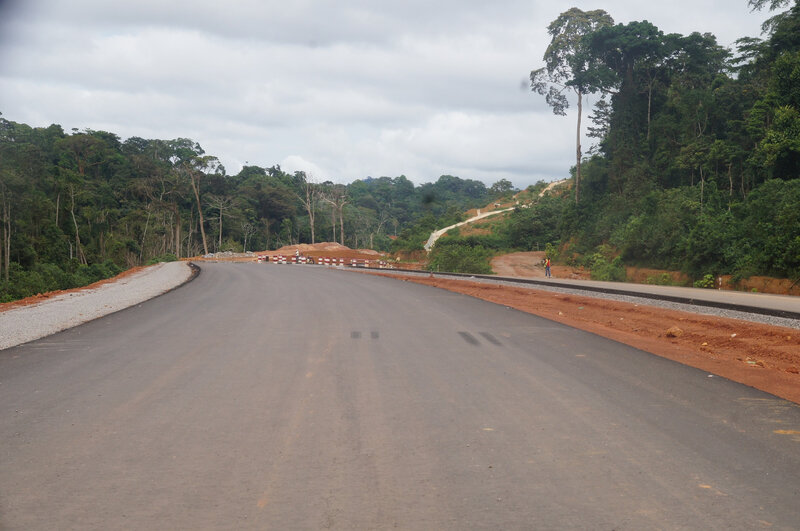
{"x":460,"y":258}
{"x":168,"y":257}
{"x":662,"y":280}
{"x":706,"y":282}
{"x":602,"y":269}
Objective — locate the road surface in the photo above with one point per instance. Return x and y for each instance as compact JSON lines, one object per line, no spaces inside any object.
{"x":298,"y":397}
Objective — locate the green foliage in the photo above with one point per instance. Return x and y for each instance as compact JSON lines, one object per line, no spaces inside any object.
{"x":605,"y":266}
{"x":502,"y":188}
{"x":534,"y":227}
{"x":662,"y":280}
{"x":91,"y":197}
{"x":413,"y":238}
{"x":168,"y":257}
{"x":707,"y":282}
{"x":460,"y":255}
{"x":44,"y":277}
{"x":551,"y":251}
{"x":571,"y":66}
{"x":696,"y":169}
{"x":603,"y":269}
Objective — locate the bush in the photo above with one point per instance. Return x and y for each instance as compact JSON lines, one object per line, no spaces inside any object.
{"x":602,"y":269}
{"x":605,"y":266}
{"x":706,"y":282}
{"x":26,"y":283}
{"x":460,"y":258}
{"x":662,"y":280}
{"x":534,"y":227}
{"x":46,"y":277}
{"x":168,"y":257}
{"x":551,"y":251}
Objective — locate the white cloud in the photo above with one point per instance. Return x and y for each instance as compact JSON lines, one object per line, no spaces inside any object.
{"x":294,"y":163}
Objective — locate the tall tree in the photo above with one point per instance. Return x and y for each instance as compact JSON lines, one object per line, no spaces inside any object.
{"x":189,"y":157}
{"x":5,"y":229}
{"x":222,"y":204}
{"x":771,"y":23}
{"x":309,"y":196}
{"x":567,"y":67}
{"x":248,"y":230}
{"x":336,"y":196}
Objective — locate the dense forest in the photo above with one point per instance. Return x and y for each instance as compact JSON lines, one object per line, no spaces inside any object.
{"x":697,"y":161}
{"x":81,"y":206}
{"x":696,"y":168}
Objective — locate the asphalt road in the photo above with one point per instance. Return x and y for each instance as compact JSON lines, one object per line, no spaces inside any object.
{"x":297,"y":397}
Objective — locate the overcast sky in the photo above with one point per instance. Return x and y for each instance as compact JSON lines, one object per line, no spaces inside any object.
{"x":342,"y":89}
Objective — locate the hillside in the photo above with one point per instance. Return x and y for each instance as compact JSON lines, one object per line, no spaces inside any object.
{"x":529,"y":224}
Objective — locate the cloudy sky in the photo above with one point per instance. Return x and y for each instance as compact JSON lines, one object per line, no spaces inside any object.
{"x":342,"y":89}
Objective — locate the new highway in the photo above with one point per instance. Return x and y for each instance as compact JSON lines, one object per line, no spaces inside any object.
{"x":298,"y":397}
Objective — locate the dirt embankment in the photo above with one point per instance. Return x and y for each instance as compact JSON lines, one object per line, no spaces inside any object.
{"x":761,"y":356}
{"x":531,"y":265}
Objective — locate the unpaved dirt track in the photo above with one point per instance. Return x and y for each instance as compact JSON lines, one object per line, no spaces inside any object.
{"x":285,"y":397}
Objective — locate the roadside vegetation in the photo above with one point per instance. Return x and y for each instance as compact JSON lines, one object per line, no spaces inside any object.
{"x":80,"y":206}
{"x":697,"y":163}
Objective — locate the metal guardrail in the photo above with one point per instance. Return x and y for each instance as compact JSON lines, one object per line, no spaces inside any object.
{"x":773,"y":312}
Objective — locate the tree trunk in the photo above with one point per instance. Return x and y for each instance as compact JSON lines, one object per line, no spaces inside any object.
{"x":78,"y":247}
{"x":310,"y":196}
{"x":702,"y":188}
{"x":219,"y":246}
{"x":341,"y":224}
{"x":649,"y":108}
{"x":730,"y":179}
{"x":199,"y":211}
{"x":2,"y":237}
{"x":5,"y":241}
{"x":144,"y":235}
{"x":177,"y":232}
{"x":578,"y":150}
{"x":8,"y":239}
{"x":191,"y":234}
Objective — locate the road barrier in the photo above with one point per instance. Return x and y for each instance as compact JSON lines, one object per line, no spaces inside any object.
{"x":325,"y":260}
{"x":281,"y":259}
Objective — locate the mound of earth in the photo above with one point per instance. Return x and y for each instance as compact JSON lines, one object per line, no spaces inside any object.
{"x":316,"y":250}
{"x":310,"y":247}
{"x":325,"y":249}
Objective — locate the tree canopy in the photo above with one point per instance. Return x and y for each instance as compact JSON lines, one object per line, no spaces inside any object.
{"x":698,"y":154}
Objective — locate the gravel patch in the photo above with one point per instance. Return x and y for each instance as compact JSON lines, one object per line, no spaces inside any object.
{"x":27,"y":323}
{"x":644,"y":301}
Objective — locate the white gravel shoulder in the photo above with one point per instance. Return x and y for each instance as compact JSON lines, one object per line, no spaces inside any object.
{"x":23,"y":324}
